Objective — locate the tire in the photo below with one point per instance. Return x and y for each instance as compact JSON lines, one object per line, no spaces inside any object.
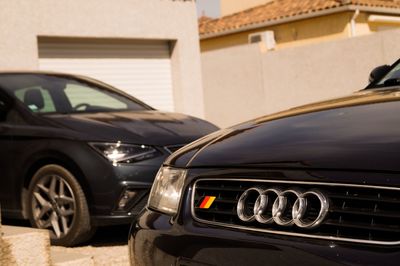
{"x":57,"y":202}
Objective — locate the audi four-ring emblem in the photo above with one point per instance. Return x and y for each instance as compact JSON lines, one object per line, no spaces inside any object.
{"x":305,"y":209}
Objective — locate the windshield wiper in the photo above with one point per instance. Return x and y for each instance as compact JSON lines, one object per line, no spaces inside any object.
{"x":391,"y":82}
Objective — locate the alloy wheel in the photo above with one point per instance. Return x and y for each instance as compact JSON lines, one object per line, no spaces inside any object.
{"x":53,"y":205}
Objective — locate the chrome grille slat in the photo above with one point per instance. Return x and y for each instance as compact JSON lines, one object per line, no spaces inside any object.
{"x":374,"y":199}
{"x":358,"y":213}
{"x":364,"y":226}
{"x":232,"y":213}
{"x":222,"y":189}
{"x":232,"y":201}
{"x":367,"y":213}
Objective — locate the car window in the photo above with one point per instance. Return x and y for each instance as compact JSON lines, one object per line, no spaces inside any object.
{"x":25,"y":95}
{"x":78,"y":94}
{"x":48,"y":94}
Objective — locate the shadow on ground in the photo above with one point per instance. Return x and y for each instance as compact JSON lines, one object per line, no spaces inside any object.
{"x":104,"y":236}
{"x":110,"y":236}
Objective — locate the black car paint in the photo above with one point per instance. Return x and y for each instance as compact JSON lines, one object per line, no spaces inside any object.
{"x":30,"y":140}
{"x":309,"y":139}
{"x":352,"y":140}
{"x":147,"y":127}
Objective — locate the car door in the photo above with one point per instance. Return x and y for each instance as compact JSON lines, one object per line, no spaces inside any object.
{"x":7,"y":155}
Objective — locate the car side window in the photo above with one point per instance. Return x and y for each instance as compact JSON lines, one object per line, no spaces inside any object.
{"x":37,"y":99}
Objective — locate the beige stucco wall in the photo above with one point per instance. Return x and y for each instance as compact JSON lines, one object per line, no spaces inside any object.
{"x":23,"y":21}
{"x":291,"y":34}
{"x":242,"y":83}
{"x":302,"y":32}
{"x":233,"y":87}
{"x":233,"y":6}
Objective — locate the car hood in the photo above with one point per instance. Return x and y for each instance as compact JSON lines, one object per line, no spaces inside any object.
{"x":144,"y":127}
{"x":359,"y":132}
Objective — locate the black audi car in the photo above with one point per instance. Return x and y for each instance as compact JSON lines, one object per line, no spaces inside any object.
{"x":76,"y":153}
{"x":314,"y":185}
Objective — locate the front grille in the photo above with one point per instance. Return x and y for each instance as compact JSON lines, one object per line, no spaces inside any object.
{"x":357,"y":213}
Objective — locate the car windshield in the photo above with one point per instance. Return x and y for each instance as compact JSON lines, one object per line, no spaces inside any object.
{"x":391,"y":78}
{"x":48,"y":94}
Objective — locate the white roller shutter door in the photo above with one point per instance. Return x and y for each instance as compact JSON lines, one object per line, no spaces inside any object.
{"x":140,"y":68}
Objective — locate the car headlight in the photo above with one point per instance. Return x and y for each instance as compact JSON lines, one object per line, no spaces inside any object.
{"x":167,"y":189}
{"x":124,"y":153}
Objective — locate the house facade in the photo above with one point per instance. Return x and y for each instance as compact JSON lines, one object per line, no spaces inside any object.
{"x":293,"y":23}
{"x":147,"y":48}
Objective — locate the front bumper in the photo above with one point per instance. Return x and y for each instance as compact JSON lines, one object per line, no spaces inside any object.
{"x":106,"y":185}
{"x":159,"y":239}
{"x":124,"y":215}
{"x":155,"y":241}
{"x":132,"y":182}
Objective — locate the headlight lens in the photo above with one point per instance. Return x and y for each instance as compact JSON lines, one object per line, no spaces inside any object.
{"x":124,"y":153}
{"x":167,"y":190}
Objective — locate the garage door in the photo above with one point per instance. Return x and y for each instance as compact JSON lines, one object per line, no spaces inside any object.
{"x":140,"y":68}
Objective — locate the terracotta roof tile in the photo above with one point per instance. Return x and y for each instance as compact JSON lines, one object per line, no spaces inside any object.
{"x":279,"y":9}
{"x":204,"y":19}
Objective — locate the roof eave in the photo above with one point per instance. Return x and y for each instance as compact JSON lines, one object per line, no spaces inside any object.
{"x":383,"y":10}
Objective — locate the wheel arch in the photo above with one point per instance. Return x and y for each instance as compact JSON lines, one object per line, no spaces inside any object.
{"x":37,"y":161}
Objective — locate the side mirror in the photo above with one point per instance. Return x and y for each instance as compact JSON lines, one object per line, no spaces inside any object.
{"x":378,"y":73}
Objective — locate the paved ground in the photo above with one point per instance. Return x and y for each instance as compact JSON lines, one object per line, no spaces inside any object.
{"x":108,"y":246}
